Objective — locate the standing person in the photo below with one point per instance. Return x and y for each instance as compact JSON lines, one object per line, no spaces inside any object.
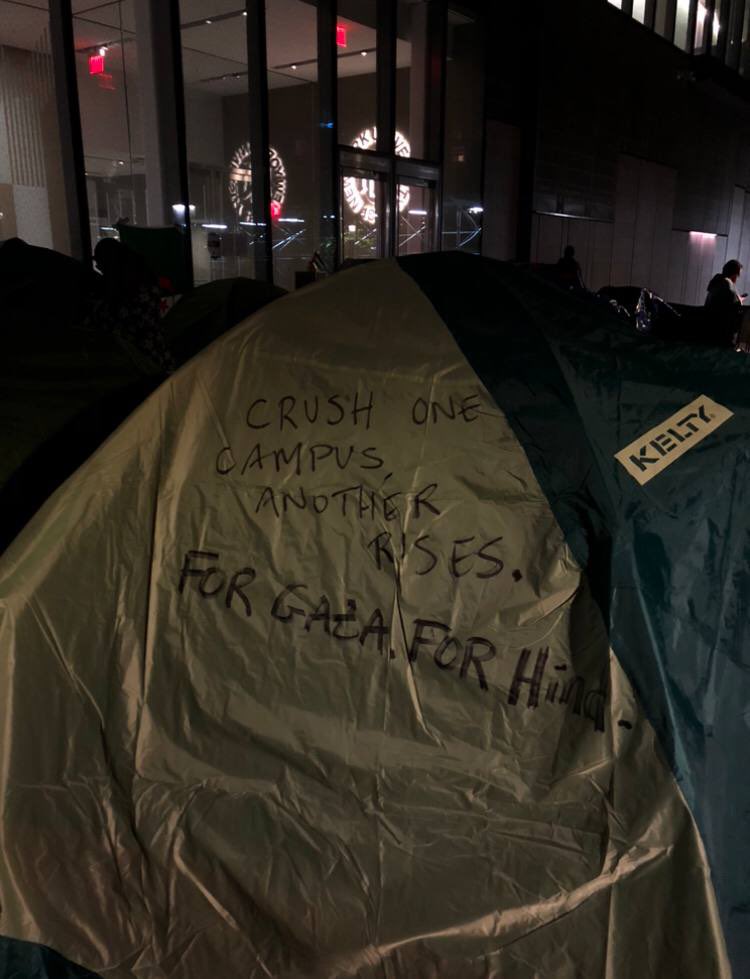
{"x":569,"y":271}
{"x":724,"y":304}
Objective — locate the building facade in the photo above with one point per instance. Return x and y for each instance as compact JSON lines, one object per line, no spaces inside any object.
{"x":624,"y":132}
{"x":279,"y":135}
{"x":283,"y":136}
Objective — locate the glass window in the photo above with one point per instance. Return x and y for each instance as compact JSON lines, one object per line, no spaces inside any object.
{"x":663,"y":24}
{"x":639,"y":10}
{"x":108,"y":92}
{"x":214,"y":65}
{"x":416,"y":228}
{"x":720,"y":24}
{"x":745,"y":50}
{"x":462,"y":174}
{"x":356,"y":64}
{"x":616,"y":3}
{"x":412,"y":73}
{"x":734,"y":41}
{"x":682,"y":19}
{"x":701,"y":26}
{"x":32,"y":201}
{"x":362,"y":199}
{"x":293,"y":136}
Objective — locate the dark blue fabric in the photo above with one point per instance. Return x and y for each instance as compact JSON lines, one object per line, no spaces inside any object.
{"x":23,"y":960}
{"x":669,"y":562}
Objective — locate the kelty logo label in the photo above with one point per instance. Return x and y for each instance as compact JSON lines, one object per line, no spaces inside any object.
{"x":659,"y":447}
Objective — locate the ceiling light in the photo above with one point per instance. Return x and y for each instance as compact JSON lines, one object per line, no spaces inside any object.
{"x":363,"y":53}
{"x":209,"y":22}
{"x":244,"y":13}
{"x":294,"y":67}
{"x":103,"y":50}
{"x":215,"y":227}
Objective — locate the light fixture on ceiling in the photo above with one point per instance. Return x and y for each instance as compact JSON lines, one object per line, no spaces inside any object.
{"x":103,"y":50}
{"x":209,"y":22}
{"x":363,"y":53}
{"x":293,"y":67}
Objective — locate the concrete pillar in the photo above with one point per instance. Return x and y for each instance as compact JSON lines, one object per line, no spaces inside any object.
{"x":162,"y":109}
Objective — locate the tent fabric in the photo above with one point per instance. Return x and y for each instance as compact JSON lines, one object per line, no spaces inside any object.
{"x":321,"y":664}
{"x":668,"y":560}
{"x":66,"y":388}
{"x":203,"y":314}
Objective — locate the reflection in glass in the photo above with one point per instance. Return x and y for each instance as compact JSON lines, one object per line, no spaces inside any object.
{"x":462,"y":173}
{"x":417,"y":221}
{"x":214,"y":66}
{"x":745,"y":53}
{"x":361,"y":239}
{"x":682,"y":18}
{"x":356,"y":64}
{"x":412,"y":69}
{"x":109,"y":97}
{"x":701,"y":17}
{"x":360,"y":195}
{"x":293,"y":98}
{"x":720,"y":17}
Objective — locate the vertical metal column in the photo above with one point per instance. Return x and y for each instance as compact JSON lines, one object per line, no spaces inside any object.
{"x":259,"y":152}
{"x":387,"y":12}
{"x":534,"y":29}
{"x":69,"y":116}
{"x":483,"y":21}
{"x":627,"y":7}
{"x":329,"y":140}
{"x":670,"y":17}
{"x":437,"y":41}
{"x":159,"y":47}
{"x":734,"y":30}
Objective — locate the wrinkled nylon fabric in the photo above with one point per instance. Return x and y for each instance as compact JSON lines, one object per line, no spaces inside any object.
{"x":668,"y":560}
{"x":268,"y":670}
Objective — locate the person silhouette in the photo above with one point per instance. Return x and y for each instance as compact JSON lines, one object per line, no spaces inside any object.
{"x":724,"y":304}
{"x":569,"y":271}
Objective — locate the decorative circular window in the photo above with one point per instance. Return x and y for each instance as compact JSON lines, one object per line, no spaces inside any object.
{"x":241,"y":182}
